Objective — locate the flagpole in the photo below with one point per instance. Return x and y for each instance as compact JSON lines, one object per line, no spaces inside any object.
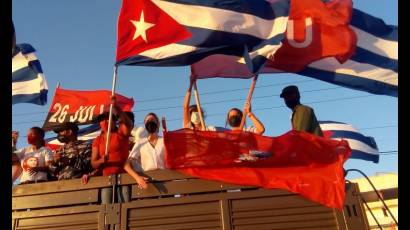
{"x":45,"y":121}
{"x":248,"y":99}
{"x":114,"y":82}
{"x":198,"y":104}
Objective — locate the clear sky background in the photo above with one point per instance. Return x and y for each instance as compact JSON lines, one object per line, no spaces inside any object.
{"x":76,"y":42}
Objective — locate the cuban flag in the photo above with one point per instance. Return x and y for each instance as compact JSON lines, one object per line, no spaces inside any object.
{"x":363,"y":147}
{"x":28,"y":82}
{"x":182,"y":32}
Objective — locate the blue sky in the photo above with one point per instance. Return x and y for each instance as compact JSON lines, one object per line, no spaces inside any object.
{"x":76,"y":42}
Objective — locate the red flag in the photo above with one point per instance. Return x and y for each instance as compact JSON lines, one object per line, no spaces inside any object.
{"x":299,"y":162}
{"x":315,"y":30}
{"x":142,"y":26}
{"x":81,"y":107}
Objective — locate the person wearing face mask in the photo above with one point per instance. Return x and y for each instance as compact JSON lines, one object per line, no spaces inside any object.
{"x":36,"y":152}
{"x":303,"y":117}
{"x":191,"y":118}
{"x":73,"y":159}
{"x":234,"y":119}
{"x":113,"y":163}
{"x":149,"y":151}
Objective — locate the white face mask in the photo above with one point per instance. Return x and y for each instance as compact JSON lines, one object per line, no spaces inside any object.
{"x":195,"y":118}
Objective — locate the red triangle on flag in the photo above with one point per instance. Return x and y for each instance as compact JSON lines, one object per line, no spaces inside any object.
{"x":142,"y":25}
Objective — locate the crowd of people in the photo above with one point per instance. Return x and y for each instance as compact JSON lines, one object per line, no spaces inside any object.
{"x":131,"y":150}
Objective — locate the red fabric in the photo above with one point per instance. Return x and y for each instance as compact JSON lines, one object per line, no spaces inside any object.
{"x":297,"y":161}
{"x":165,"y":29}
{"x":118,"y":152}
{"x":332,"y":36}
{"x":53,"y":146}
{"x":81,"y":107}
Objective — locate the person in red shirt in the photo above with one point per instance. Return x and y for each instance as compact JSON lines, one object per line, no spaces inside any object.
{"x":113,"y":163}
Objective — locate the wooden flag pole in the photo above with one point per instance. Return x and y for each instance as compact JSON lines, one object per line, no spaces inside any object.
{"x":198,"y":104}
{"x":248,"y":100}
{"x":114,"y":82}
{"x":164,"y":125}
{"x":45,"y":121}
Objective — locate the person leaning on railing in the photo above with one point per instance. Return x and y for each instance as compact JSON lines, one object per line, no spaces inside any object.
{"x":118,"y":150}
{"x":148,"y":151}
{"x":34,"y":159}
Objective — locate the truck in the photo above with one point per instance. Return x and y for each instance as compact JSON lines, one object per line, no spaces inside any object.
{"x":176,"y":201}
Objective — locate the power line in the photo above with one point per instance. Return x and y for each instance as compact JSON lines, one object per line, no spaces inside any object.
{"x":275,"y":107}
{"x":225,"y":91}
{"x":207,"y":103}
{"x":230,"y":100}
{"x":205,"y":93}
{"x":377,"y":127}
{"x":391,"y":152}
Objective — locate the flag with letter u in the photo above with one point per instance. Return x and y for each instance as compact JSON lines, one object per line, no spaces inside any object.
{"x":182,"y":32}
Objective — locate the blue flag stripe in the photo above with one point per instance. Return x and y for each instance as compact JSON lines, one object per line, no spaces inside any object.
{"x":36,"y":98}
{"x":25,"y":48}
{"x":216,"y":38}
{"x":352,"y":82}
{"x":374,"y":26}
{"x":364,"y":156}
{"x":352,"y":135}
{"x":259,"y":8}
{"x":24,"y":74}
{"x":330,"y":122}
{"x":182,"y":59}
{"x":217,"y":42}
{"x":365,"y":56}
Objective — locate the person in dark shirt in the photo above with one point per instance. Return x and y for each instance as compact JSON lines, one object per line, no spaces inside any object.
{"x":303,"y":117}
{"x":73,"y":159}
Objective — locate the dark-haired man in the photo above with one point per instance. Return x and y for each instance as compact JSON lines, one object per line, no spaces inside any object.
{"x":303,"y":117}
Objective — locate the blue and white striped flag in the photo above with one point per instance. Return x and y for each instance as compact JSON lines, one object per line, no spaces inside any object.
{"x":374,"y":66}
{"x":363,"y":147}
{"x":28,"y":82}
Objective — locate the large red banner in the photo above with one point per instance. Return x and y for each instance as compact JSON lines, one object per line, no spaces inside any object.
{"x":81,"y":107}
{"x":297,"y":161}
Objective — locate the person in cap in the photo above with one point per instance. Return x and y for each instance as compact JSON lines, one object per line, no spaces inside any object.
{"x":303,"y":117}
{"x":73,"y":159}
{"x":118,"y":150}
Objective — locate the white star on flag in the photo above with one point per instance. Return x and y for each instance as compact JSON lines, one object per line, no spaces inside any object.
{"x":141,"y":26}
